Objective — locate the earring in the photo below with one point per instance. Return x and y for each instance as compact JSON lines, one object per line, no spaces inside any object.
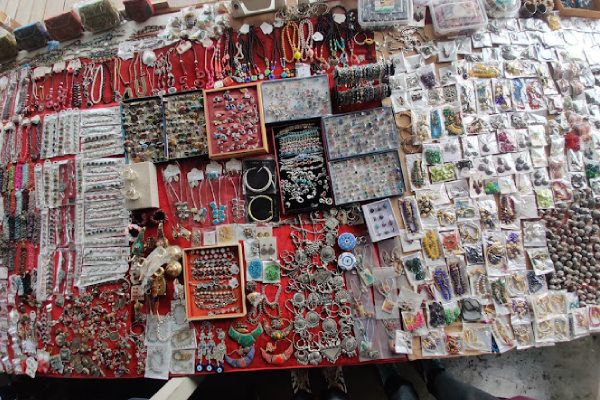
{"x":263,"y":251}
{"x":271,"y":250}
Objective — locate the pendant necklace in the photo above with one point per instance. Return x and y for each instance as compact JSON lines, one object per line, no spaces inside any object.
{"x":217,"y":209}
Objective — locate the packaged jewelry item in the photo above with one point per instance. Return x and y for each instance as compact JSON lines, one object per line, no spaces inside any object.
{"x":97,"y":15}
{"x":360,"y":133}
{"x":373,"y":13}
{"x":302,"y":172}
{"x":352,"y":177}
{"x":296,"y":98}
{"x":185,"y":125}
{"x":214,"y":282}
{"x":260,"y":189}
{"x":234,"y":121}
{"x":380,"y":220}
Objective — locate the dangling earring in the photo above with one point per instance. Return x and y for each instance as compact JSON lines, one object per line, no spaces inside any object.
{"x":271,"y":250}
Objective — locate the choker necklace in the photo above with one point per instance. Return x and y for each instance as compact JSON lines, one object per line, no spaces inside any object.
{"x":247,"y":355}
{"x":276,"y":358}
{"x":246,"y":338}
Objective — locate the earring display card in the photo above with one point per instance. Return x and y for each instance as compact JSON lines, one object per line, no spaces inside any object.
{"x":214,"y":282}
{"x":361,"y":132}
{"x":143,"y":125}
{"x":185,"y":125}
{"x":235,"y":124}
{"x":296,"y":98}
{"x":380,"y":220}
{"x":302,"y":172}
{"x":353,"y":178}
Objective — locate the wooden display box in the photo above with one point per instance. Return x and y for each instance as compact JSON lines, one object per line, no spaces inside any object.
{"x":197,"y":314}
{"x":579,"y":12}
{"x":215,"y":103}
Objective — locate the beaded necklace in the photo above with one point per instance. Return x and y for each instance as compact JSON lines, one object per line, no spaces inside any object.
{"x":292,"y":33}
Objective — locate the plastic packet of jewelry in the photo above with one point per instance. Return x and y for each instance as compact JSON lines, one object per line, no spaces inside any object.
{"x":416,"y":171}
{"x":453,"y":125}
{"x":544,"y":331}
{"x":519,"y":309}
{"x":476,"y":186}
{"x":562,"y":191}
{"x":466,"y":95}
{"x":414,"y":322}
{"x":457,"y":188}
{"x":470,"y":145}
{"x":540,"y":260}
{"x":555,"y":104}
{"x":481,"y":39}
{"x":433,"y":343}
{"x":386,"y":293}
{"x":447,"y":51}
{"x":403,"y":342}
{"x":495,"y":253}
{"x":465,"y":169}
{"x":491,"y":186}
{"x":579,"y":321}
{"x":427,"y":76}
{"x":390,"y":253}
{"x":488,"y":211}
{"x":485,"y":98}
{"x":362,"y":302}
{"x":432,"y":248}
{"x":425,"y":205}
{"x":594,"y":317}
{"x":399,"y":100}
{"x":435,"y":315}
{"x":432,"y":153}
{"x":451,"y":242}
{"x":421,"y":126}
{"x":504,"y":164}
{"x":538,"y":157}
{"x":514,"y":247}
{"x":507,"y":184}
{"x":442,"y":173}
{"x":575,"y":161}
{"x":534,"y":95}
{"x":523,"y":334}
{"x":466,"y":209}
{"x":455,"y":343}
{"x":519,"y":69}
{"x":157,"y":361}
{"x":183,"y":339}
{"x":507,"y":141}
{"x":562,"y":332}
{"x":448,"y":76}
{"x":158,"y":329}
{"x":503,"y":334}
{"x":368,"y":343}
{"x":452,"y":312}
{"x":397,"y":82}
{"x":418,"y":98}
{"x":441,"y":281}
{"x":478,"y":337}
{"x":595,"y":187}
{"x":500,"y":295}
{"x":537,"y":136}
{"x":411,"y":212}
{"x":415,"y":269}
{"x":488,"y":144}
{"x":386,"y":335}
{"x":544,"y":198}
{"x":435,"y":97}
{"x":408,"y":245}
{"x":182,"y":361}
{"x":451,"y":150}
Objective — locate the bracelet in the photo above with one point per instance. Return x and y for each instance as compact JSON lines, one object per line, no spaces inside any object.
{"x":250,"y":209}
{"x":262,"y":189}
